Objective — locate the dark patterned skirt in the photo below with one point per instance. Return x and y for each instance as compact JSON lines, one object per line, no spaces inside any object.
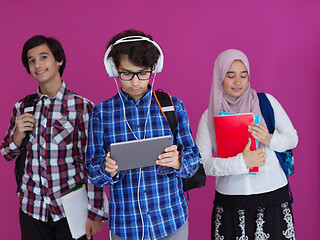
{"x":253,"y":217}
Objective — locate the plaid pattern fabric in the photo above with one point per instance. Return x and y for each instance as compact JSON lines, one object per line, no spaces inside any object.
{"x":55,"y":158}
{"x":162,"y":200}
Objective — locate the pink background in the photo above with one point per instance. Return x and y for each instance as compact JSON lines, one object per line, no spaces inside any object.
{"x":280,"y":38}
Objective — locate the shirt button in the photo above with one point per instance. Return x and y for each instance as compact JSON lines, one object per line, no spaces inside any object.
{"x":47,"y":200}
{"x":44,"y":181}
{"x":145,"y":191}
{"x":148,"y":212}
{"x":47,"y":102}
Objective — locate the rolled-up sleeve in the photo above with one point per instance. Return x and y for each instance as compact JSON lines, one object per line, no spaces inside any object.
{"x":9,"y":149}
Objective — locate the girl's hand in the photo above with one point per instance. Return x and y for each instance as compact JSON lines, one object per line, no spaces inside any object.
{"x":254,"y":158}
{"x":260,"y":133}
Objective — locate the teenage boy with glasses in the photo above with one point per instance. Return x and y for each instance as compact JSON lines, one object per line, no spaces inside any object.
{"x":149,"y":202}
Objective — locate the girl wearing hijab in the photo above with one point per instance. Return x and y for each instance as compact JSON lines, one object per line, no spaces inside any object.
{"x":246,"y":206}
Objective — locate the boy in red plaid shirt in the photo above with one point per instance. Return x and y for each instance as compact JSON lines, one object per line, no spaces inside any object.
{"x":56,"y":148}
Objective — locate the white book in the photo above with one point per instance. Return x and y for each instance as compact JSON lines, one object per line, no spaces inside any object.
{"x":75,"y":205}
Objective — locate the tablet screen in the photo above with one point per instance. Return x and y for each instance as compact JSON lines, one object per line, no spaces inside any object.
{"x":139,"y":153}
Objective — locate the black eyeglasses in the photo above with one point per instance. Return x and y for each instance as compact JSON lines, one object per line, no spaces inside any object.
{"x":128,"y":76}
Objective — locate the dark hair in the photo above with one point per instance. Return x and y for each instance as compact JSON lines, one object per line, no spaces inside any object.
{"x":54,"y":46}
{"x":140,"y":53}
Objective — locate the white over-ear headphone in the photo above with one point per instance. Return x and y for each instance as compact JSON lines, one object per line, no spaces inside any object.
{"x":109,"y":63}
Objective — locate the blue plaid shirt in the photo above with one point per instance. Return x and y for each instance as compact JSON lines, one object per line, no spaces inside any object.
{"x":162,"y":200}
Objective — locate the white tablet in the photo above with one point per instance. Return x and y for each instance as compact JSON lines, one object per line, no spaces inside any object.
{"x":139,"y":153}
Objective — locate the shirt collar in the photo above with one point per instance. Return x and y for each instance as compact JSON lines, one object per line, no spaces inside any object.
{"x":61,"y":94}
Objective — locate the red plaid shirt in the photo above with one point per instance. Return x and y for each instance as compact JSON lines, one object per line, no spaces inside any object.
{"x":55,"y":158}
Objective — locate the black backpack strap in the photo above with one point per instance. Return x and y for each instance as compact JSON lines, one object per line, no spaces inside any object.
{"x":29,"y":107}
{"x":30,"y":103}
{"x":164,"y":101}
{"x":166,"y":106}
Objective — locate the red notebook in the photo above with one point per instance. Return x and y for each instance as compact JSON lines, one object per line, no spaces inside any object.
{"x":232,"y":135}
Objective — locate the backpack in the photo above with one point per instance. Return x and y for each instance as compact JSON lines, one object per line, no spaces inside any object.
{"x":198,"y":180}
{"x":29,"y":106}
{"x":285,"y":158}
